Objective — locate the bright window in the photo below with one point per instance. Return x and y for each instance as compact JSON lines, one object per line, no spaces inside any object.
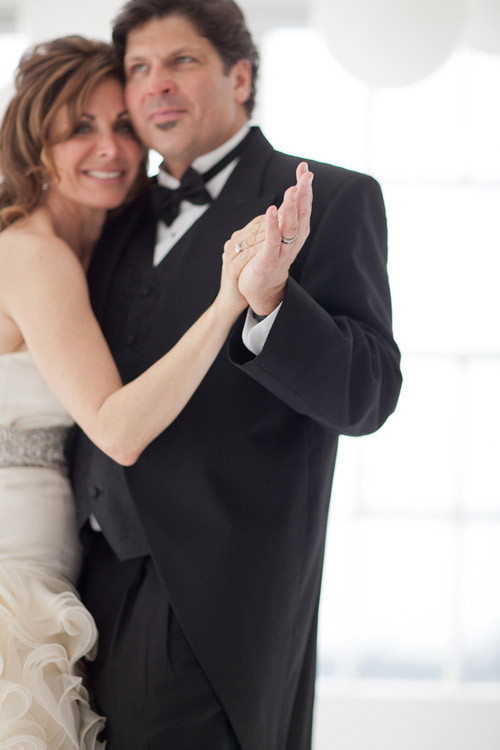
{"x":413,"y":548}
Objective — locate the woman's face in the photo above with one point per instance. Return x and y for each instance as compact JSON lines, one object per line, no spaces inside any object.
{"x":98,"y":163}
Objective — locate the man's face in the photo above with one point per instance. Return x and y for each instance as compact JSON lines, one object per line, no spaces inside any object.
{"x":180,"y":100}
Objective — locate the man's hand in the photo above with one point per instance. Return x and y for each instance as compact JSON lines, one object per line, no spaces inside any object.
{"x":263,"y":280}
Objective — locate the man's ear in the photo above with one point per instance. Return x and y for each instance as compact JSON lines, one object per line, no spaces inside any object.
{"x":241,"y":73}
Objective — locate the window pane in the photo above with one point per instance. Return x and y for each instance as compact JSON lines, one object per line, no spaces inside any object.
{"x":481,"y":443}
{"x":443,"y":127}
{"x":444,"y":266}
{"x":481,"y":602}
{"x":409,"y":464}
{"x":388,"y":600}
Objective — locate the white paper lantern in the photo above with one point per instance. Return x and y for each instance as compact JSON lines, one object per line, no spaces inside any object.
{"x":391,"y":42}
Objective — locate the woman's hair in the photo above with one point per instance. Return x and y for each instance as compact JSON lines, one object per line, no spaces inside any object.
{"x":55,"y":74}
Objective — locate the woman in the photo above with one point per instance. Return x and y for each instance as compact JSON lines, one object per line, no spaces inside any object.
{"x":68,"y":154}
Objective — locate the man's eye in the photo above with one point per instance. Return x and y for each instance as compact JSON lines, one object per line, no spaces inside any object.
{"x":184,"y":59}
{"x":136,"y":68}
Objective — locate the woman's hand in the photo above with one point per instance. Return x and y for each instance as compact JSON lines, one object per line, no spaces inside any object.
{"x":238,"y":251}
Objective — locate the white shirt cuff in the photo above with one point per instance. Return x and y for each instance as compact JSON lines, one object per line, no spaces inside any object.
{"x":255,"y":332}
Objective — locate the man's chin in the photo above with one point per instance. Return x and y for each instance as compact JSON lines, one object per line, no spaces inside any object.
{"x":166,"y":125}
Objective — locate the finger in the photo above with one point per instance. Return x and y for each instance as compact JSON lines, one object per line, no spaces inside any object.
{"x":272,"y":242}
{"x":304,"y":201}
{"x":301,"y":169}
{"x":254,"y":226}
{"x":253,"y":239}
{"x":250,"y":234}
{"x":236,"y":256}
{"x":288,"y":217}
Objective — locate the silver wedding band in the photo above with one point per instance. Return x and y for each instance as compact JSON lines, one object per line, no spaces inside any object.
{"x":237,"y":248}
{"x":290,"y":241}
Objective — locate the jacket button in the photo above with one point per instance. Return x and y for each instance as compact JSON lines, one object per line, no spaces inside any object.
{"x":94,"y":492}
{"x":130,"y":338}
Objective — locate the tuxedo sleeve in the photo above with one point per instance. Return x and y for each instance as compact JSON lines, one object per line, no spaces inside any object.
{"x":330,"y":354}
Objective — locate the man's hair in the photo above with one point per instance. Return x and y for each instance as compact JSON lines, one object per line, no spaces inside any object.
{"x":220,"y":21}
{"x":52,"y":75}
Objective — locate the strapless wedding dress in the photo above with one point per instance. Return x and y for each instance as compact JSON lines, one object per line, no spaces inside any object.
{"x":44,"y":628}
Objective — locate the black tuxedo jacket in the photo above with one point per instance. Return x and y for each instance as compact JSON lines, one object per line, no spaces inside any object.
{"x":231,"y":500}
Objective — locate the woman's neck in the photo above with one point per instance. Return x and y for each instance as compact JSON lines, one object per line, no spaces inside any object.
{"x":79,"y":226}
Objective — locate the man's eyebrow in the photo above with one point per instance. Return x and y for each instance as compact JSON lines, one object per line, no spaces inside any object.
{"x":141,"y":55}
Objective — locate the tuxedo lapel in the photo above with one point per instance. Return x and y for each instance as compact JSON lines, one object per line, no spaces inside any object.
{"x":242,"y":199}
{"x":246,"y":183}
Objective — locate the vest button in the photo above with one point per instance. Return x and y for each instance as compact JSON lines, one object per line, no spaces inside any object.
{"x":130,"y":339}
{"x":145,"y":291}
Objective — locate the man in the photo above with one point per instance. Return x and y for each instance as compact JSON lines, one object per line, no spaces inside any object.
{"x":205,"y":575}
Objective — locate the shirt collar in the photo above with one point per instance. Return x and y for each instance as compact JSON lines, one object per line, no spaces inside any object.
{"x":205,"y":162}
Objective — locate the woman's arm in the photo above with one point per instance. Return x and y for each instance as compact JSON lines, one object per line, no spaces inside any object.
{"x":44,"y":291}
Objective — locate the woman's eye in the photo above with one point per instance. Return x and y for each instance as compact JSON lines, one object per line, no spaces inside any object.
{"x":125,"y":128}
{"x":82,"y":128}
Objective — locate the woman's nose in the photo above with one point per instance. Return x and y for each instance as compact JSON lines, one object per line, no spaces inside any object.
{"x":107,"y":145}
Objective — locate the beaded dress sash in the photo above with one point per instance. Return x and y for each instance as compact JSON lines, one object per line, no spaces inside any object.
{"x":40,"y":447}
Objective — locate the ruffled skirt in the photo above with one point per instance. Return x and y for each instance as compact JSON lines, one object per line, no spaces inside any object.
{"x":44,"y":628}
{"x":44,"y":632}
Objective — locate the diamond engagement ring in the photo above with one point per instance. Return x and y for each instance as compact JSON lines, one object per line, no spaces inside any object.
{"x":237,"y":248}
{"x":290,"y":241}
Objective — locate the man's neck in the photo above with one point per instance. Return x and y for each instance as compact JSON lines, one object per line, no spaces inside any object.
{"x":206,"y":161}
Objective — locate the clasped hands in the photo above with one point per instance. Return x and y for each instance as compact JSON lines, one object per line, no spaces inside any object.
{"x":258,"y":257}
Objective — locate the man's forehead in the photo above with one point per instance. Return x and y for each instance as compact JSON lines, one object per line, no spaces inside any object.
{"x":160,"y":28}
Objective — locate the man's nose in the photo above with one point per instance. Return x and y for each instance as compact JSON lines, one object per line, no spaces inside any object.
{"x":160,"y":80}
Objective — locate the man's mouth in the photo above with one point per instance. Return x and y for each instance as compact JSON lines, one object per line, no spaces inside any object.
{"x":168,"y":114}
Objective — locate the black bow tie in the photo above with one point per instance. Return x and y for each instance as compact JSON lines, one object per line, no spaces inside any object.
{"x":166,"y":201}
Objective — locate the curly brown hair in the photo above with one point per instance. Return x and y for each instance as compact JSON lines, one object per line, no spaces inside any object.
{"x":57,"y":73}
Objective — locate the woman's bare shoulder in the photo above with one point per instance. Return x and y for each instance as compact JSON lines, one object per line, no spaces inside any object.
{"x":30,"y":245}
{"x":29,"y":235}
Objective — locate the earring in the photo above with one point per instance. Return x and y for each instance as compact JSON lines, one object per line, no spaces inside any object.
{"x":44,"y":179}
